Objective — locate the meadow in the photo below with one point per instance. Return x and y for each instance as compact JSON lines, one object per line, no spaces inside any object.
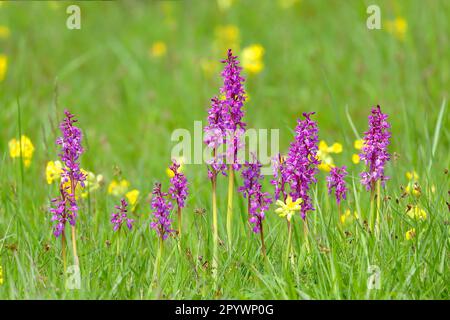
{"x":137,"y":70}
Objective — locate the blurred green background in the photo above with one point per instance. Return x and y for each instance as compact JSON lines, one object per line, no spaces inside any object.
{"x":137,"y":70}
{"x":318,"y":56}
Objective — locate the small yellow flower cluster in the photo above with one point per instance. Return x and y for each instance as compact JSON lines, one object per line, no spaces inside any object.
{"x":347,"y":217}
{"x":4,"y":32}
{"x":413,"y":185}
{"x":1,"y":275}
{"x":416,"y":213}
{"x":286,"y":4}
{"x":227,"y":37}
{"x":410,"y":234}
{"x":53,"y":172}
{"x":23,"y":148}
{"x":358,"y":144}
{"x":252,"y":58}
{"x":3,"y":66}
{"x":287,"y":210}
{"x":397,"y":27}
{"x":326,"y":161}
{"x":120,"y":188}
{"x":224,"y":4}
{"x":158,"y":49}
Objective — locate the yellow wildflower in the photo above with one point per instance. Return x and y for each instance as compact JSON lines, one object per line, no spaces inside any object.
{"x":286,"y":4}
{"x":252,"y":58}
{"x":158,"y":49}
{"x":411,"y":233}
{"x":397,"y":27}
{"x":92,"y":183}
{"x":415,"y":212}
{"x":4,"y":32}
{"x":209,"y":67}
{"x":324,"y":155}
{"x":347,"y":217}
{"x":224,"y":4}
{"x":227,"y":37}
{"x":3,"y":66}
{"x":358,"y":144}
{"x":355,"y":158}
{"x":118,"y":188}
{"x":24,"y":146}
{"x":1,"y":275}
{"x":412,"y":175}
{"x":53,"y":171}
{"x":132,"y":197}
{"x":287,"y":210}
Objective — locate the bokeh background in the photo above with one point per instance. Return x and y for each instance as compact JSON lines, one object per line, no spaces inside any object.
{"x":139,"y":69}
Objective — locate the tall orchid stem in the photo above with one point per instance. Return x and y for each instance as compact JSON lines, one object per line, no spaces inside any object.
{"x":118,"y":242}
{"x":263,"y":246}
{"x":179,"y":224}
{"x":74,"y":246}
{"x":377,"y":220}
{"x":63,"y":251}
{"x":372,"y":209}
{"x":230,"y":204}
{"x":215,"y":229}
{"x":306,"y":233}
{"x":157,"y":273}
{"x":288,"y":250}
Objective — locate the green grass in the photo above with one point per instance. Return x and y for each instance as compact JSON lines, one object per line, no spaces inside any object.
{"x":319,"y":56}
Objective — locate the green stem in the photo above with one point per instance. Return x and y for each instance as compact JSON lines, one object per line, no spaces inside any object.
{"x":372,"y":207}
{"x":179,"y":223}
{"x":288,"y":251}
{"x":215,"y":229}
{"x":63,"y":251}
{"x":377,"y":221}
{"x":230,"y":204}
{"x":263,"y":246}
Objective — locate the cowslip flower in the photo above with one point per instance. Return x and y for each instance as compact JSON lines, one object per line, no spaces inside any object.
{"x":4,"y":32}
{"x":1,"y":275}
{"x":326,"y":161}
{"x":374,"y":151}
{"x":120,"y":216}
{"x":53,"y":171}
{"x":252,"y":58}
{"x":347,"y":217}
{"x":161,"y":212}
{"x":410,"y":234}
{"x":416,"y":213}
{"x":133,"y":197}
{"x":413,"y":184}
{"x":92,"y":183}
{"x":21,"y":148}
{"x":158,"y":49}
{"x":357,"y":144}
{"x":3,"y":66}
{"x":336,"y":181}
{"x":178,"y":189}
{"x":287,"y":210}
{"x":118,"y":188}
{"x":397,"y":27}
{"x":302,"y":161}
{"x":65,"y":207}
{"x":227,"y":36}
